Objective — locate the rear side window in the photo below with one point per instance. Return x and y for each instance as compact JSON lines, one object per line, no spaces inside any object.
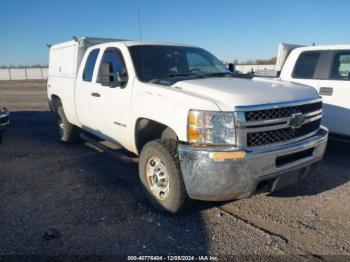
{"x":90,"y":65}
{"x":340,"y":69}
{"x":306,"y":65}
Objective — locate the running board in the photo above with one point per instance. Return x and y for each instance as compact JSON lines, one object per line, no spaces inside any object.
{"x":114,"y":149}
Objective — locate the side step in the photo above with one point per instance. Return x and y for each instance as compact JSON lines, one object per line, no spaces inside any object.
{"x":113,"y":149}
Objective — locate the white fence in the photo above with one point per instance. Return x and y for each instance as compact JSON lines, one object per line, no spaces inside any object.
{"x":23,"y":73}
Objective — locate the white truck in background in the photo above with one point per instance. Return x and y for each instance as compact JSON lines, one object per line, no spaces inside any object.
{"x":327,"y":69}
{"x":199,"y":132}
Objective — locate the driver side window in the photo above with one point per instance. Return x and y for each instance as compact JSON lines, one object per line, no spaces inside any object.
{"x":114,"y":59}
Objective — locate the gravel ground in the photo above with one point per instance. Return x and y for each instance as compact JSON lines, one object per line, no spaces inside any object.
{"x":85,"y":200}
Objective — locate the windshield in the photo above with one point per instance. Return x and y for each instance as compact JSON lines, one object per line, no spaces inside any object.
{"x":154,"y":62}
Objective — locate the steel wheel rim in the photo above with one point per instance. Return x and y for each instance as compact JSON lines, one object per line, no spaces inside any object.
{"x":157,"y":178}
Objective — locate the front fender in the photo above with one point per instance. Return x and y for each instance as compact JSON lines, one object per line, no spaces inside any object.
{"x":167,"y":106}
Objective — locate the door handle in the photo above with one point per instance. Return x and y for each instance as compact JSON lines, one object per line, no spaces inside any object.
{"x":326,"y":91}
{"x":95,"y":94}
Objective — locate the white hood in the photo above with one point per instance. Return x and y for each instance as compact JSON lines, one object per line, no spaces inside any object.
{"x":230,"y":92}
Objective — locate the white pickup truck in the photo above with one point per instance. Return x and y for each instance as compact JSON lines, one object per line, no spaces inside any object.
{"x":327,"y":69}
{"x":199,"y":132}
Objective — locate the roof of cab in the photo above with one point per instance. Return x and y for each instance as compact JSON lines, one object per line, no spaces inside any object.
{"x":133,"y":43}
{"x":323,"y":47}
{"x":91,"y":41}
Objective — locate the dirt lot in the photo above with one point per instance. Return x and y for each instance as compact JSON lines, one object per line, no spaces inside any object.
{"x":77,"y":200}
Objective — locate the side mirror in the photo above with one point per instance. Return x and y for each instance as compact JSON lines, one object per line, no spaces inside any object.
{"x":108,"y":78}
{"x":232,"y":67}
{"x":122,"y":78}
{"x":105,"y":74}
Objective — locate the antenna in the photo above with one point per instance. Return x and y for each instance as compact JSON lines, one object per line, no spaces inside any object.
{"x":140,"y":38}
{"x":139,"y":21}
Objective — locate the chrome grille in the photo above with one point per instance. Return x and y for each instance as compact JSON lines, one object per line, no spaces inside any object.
{"x":280,"y":135}
{"x":259,"y":115}
{"x":277,"y":123}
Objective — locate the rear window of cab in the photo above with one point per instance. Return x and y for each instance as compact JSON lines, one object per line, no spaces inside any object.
{"x":305,"y":66}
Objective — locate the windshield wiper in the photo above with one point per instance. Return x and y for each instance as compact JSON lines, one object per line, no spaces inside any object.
{"x":220,"y":74}
{"x":177,"y":75}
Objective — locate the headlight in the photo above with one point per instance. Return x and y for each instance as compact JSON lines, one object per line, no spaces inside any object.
{"x":211,"y":128}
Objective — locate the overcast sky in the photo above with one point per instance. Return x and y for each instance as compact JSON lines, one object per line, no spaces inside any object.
{"x":229,"y":29}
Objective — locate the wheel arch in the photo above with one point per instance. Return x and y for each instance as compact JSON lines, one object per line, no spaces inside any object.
{"x":147,"y":130}
{"x":55,"y":102}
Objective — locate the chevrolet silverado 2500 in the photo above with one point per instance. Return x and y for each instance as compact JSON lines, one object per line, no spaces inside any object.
{"x":199,"y":132}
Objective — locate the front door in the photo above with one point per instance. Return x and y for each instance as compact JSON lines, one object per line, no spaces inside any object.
{"x":114,"y":110}
{"x":335,"y":92}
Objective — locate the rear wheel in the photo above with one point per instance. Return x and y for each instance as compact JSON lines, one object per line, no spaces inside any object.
{"x":161,"y":176}
{"x":66,"y":132}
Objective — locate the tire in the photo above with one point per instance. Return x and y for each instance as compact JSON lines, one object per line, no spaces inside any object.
{"x":175,"y":198}
{"x":67,"y":133}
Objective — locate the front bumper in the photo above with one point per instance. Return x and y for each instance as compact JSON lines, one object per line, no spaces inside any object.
{"x":4,"y":121}
{"x":227,"y":179}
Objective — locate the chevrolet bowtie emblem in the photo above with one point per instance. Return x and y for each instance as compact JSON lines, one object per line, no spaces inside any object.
{"x":297,"y":120}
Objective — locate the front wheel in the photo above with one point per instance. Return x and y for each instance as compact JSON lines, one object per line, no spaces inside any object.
{"x":161,"y":176}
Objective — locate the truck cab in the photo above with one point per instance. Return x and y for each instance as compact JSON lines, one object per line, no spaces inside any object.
{"x":327,"y":69}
